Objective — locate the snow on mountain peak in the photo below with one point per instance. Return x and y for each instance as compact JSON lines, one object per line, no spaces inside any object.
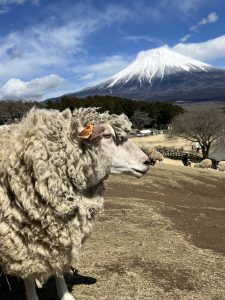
{"x":157,"y":63}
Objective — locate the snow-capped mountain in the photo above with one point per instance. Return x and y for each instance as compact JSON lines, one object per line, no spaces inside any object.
{"x":157,"y":63}
{"x":163,"y":74}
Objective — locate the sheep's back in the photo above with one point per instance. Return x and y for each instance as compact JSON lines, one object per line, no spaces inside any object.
{"x":206,"y":163}
{"x":221,"y":165}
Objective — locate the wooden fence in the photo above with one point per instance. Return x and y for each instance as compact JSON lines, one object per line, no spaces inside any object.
{"x":177,"y":153}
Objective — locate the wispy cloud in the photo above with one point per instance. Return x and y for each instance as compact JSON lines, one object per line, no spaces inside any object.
{"x":115,"y":13}
{"x":46,"y":46}
{"x":5,"y":5}
{"x":211,"y":18}
{"x":9,"y":2}
{"x":102,"y":70}
{"x":18,"y":2}
{"x":137,"y":38}
{"x":57,"y":45}
{"x":185,"y":38}
{"x":185,"y":7}
{"x":91,"y":74}
{"x":31,"y":90}
{"x":208,"y":51}
{"x":161,"y":10}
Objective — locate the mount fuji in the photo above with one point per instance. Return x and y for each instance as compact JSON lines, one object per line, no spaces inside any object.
{"x":162,"y":74}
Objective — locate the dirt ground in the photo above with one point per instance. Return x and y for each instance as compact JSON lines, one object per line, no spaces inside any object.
{"x":160,"y":238}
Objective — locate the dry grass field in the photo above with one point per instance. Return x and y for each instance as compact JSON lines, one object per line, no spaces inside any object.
{"x":164,"y":140}
{"x":160,"y":237}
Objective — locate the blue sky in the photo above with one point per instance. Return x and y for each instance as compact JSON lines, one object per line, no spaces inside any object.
{"x":48,"y":48}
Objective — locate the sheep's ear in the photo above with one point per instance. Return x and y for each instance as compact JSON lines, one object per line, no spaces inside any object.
{"x":91,"y":132}
{"x":97,"y":131}
{"x":87,"y":131}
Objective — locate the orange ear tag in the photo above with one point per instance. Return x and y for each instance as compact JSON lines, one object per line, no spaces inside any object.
{"x":87,"y":131}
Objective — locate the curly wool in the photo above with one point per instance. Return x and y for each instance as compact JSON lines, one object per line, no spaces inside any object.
{"x":51,"y":186}
{"x":221,"y":166}
{"x":204,"y":164}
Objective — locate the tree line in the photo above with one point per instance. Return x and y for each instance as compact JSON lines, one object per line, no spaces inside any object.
{"x":13,"y":111}
{"x":204,"y":124}
{"x":141,"y":113}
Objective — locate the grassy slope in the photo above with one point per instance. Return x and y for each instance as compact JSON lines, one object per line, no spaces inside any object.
{"x":161,"y":237}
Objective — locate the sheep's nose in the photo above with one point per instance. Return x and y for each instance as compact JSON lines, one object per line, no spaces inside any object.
{"x":147,"y":162}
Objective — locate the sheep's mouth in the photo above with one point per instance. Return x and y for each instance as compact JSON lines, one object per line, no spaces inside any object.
{"x":138,"y":173}
{"x":131,"y":171}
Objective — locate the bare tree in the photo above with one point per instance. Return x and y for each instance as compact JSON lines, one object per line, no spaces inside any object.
{"x":202,"y":124}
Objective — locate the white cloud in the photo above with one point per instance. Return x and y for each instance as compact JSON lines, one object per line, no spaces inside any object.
{"x":114,"y":14}
{"x":56,"y":44}
{"x":103,"y":70}
{"x":107,"y":65}
{"x":46,"y":46}
{"x":161,"y":10}
{"x":185,"y":7}
{"x":9,"y":2}
{"x":4,"y":10}
{"x":35,"y":2}
{"x":87,"y":76}
{"x":207,"y":51}
{"x":5,"y":5}
{"x":211,"y":18}
{"x":31,"y":90}
{"x":185,"y":38}
{"x":138,"y":38}
{"x":18,"y":2}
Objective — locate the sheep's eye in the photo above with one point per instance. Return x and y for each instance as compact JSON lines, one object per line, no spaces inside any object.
{"x":107,"y":136}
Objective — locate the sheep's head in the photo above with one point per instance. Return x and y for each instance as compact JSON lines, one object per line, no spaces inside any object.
{"x":108,"y":135}
{"x":124,"y":155}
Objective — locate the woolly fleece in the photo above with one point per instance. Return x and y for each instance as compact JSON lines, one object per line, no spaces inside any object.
{"x":51,"y":186}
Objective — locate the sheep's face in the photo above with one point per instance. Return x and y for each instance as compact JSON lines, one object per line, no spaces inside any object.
{"x":123,"y":155}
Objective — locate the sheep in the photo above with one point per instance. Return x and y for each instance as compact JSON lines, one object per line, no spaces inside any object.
{"x":53,"y":166}
{"x":149,"y":150}
{"x":204,"y":164}
{"x":221,"y":166}
{"x":156,"y":156}
{"x":153,"y":154}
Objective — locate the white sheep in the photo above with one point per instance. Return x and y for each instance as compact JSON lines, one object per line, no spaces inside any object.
{"x":221,"y":166}
{"x":204,"y":164}
{"x":53,"y":165}
{"x":153,"y":154}
{"x":3,"y":127}
{"x":156,"y":156}
{"x":149,"y":150}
